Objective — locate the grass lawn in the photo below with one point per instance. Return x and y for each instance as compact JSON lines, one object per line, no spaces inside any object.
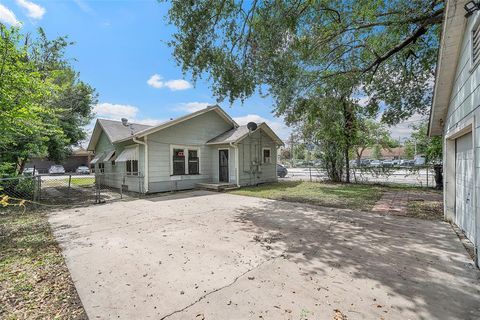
{"x":34,"y":280}
{"x":83,"y":181}
{"x":338,"y":195}
{"x":348,"y":196}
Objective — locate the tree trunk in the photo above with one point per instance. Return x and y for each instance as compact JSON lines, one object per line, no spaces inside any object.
{"x":348,"y":127}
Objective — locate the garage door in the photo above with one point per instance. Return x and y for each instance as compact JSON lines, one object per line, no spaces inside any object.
{"x":464,"y":213}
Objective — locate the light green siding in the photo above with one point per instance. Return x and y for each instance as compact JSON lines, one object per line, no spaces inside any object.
{"x":252,"y":170}
{"x":195,"y":133}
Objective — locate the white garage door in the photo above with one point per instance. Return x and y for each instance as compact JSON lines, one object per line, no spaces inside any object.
{"x":464,"y":213}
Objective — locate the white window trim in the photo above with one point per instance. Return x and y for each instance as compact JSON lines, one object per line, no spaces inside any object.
{"x":185,"y":152}
{"x":270,"y":158}
{"x":476,"y":25}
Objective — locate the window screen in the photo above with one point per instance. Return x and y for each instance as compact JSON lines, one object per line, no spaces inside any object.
{"x":178,"y":161}
{"x":266,"y":155}
{"x":132,"y":167}
{"x":193,"y":163}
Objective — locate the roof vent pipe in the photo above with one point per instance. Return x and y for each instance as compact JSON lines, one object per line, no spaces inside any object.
{"x":125,"y":121}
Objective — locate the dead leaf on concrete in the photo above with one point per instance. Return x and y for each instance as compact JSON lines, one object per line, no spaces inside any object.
{"x":338,"y":315}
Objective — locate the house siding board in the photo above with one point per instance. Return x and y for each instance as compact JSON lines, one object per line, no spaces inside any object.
{"x":465,"y":106}
{"x":194,"y":132}
{"x":250,"y":149}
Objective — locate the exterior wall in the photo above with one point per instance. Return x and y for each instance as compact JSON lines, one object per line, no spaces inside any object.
{"x":194,"y":133}
{"x":252,"y":170}
{"x":463,"y":117}
{"x":115,"y":175}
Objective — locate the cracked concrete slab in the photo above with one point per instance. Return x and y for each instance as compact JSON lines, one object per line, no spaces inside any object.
{"x":202,"y":255}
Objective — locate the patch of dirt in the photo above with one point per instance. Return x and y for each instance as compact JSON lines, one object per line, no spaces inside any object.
{"x":34,"y":280}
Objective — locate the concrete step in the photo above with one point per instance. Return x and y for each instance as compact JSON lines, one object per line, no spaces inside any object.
{"x":217,"y":186}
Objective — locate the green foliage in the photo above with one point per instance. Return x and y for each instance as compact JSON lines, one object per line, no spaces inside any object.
{"x":430,"y":147}
{"x":44,"y":105}
{"x":386,"y":49}
{"x":371,"y":134}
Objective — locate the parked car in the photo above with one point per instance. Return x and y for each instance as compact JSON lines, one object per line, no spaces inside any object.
{"x":56,"y":169}
{"x":396,"y":162}
{"x":83,"y":170}
{"x":419,"y":161}
{"x":281,"y":171}
{"x":387,"y":163}
{"x":407,"y":163}
{"x":30,"y":172}
{"x":375,"y":163}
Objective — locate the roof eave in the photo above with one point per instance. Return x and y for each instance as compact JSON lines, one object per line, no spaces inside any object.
{"x":450,"y":43}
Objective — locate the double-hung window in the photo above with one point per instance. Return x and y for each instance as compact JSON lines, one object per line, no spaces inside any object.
{"x":267,"y":155}
{"x":101,"y":167}
{"x":132,"y":167}
{"x":185,"y":160}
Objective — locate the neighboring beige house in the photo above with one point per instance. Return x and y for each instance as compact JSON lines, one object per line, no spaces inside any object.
{"x":206,"y":146}
{"x":385,"y":153}
{"x":455,"y":115}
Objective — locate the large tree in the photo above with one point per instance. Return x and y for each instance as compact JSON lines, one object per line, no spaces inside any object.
{"x":387,"y":48}
{"x":44,"y":105}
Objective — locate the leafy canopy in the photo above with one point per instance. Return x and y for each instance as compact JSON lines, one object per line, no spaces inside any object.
{"x":298,"y":50}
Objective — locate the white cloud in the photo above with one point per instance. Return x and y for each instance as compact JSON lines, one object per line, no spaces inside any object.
{"x":403,"y":130}
{"x":84,"y":6}
{"x":277,"y":125}
{"x":192,"y":106}
{"x":34,"y":10}
{"x":155,"y":81}
{"x":8,"y":17}
{"x":115,"y":111}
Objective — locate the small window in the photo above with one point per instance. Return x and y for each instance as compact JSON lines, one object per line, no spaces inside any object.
{"x":101,"y":167}
{"x":476,"y":44}
{"x":266,"y":155}
{"x":193,"y":167}
{"x":178,"y":161}
{"x":132,"y":167}
{"x":113,"y":157}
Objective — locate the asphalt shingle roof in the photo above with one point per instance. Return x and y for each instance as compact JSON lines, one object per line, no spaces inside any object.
{"x":231,"y":135}
{"x":115,"y":130}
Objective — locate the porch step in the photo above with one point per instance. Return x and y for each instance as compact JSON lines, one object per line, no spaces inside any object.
{"x":217,"y":186}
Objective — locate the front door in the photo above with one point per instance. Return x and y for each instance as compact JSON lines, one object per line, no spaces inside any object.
{"x":223,"y":165}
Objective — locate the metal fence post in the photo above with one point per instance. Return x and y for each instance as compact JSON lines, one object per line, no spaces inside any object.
{"x":427,"y":175}
{"x":310,"y":172}
{"x":69,"y":185}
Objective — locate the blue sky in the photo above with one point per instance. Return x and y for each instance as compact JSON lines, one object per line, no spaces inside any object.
{"x":120,"y":49}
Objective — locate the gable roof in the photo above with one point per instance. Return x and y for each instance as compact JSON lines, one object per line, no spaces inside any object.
{"x":173,"y":122}
{"x":115,"y":131}
{"x":237,"y":134}
{"x":452,"y":35}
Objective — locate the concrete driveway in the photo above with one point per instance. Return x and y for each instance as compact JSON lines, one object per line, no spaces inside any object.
{"x":201,"y":255}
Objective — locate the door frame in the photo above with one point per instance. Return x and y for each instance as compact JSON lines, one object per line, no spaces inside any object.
{"x":228,"y":164}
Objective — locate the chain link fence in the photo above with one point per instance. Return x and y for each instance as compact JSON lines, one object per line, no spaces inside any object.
{"x":68,"y":189}
{"x":414,"y":175}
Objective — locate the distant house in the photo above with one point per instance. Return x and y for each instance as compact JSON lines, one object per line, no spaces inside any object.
{"x":207,"y":146}
{"x":385,"y":153}
{"x":79,"y":157}
{"x":455,"y":115}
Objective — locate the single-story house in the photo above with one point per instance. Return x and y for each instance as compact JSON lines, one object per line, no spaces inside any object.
{"x":79,"y":157}
{"x":385,"y":153}
{"x":206,"y":146}
{"x":455,"y":115}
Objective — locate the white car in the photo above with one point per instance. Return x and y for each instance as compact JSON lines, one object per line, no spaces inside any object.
{"x":30,"y":172}
{"x":82,"y":170}
{"x":375,"y":163}
{"x":56,"y":169}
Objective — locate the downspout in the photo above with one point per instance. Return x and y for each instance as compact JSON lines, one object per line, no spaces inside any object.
{"x":145,"y":144}
{"x":237,"y":167}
